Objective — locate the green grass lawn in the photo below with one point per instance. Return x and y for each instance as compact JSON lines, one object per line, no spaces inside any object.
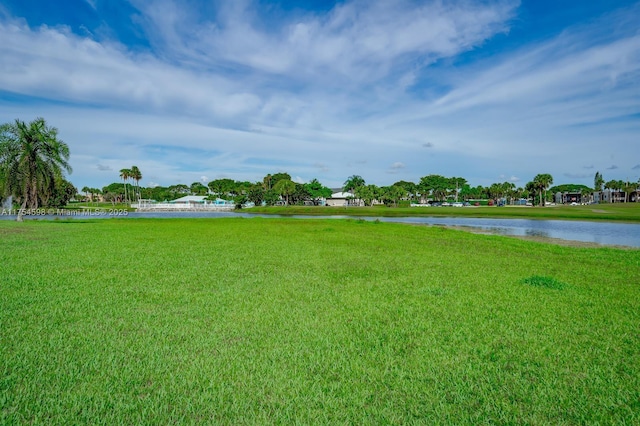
{"x":629,"y":212}
{"x":276,"y":321}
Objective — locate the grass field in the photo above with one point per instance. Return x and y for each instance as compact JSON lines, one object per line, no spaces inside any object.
{"x":276,"y":321}
{"x":629,"y":212}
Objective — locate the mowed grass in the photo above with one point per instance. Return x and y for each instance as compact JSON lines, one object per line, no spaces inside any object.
{"x":276,"y":321}
{"x":627,"y":212}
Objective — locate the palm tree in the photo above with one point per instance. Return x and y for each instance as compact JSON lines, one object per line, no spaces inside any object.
{"x":285,"y":187}
{"x":598,"y":181}
{"x":611,"y":185}
{"x":542,"y":183}
{"x":31,"y":158}
{"x":137,"y":176}
{"x":86,"y":191}
{"x":531,"y":189}
{"x":124,"y":175}
{"x":353,"y":182}
{"x":95,"y":192}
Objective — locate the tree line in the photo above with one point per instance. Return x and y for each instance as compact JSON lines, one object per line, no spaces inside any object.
{"x":34,"y":163}
{"x":278,"y":188}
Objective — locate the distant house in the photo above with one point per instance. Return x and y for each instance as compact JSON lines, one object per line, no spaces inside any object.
{"x":342,"y":199}
{"x":571,"y":197}
{"x":610,"y":196}
{"x":200,"y":200}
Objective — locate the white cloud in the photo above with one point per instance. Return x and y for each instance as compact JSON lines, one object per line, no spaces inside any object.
{"x":359,"y":41}
{"x":329,"y":95}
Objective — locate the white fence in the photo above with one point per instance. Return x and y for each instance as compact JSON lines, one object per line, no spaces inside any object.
{"x":143,"y":206}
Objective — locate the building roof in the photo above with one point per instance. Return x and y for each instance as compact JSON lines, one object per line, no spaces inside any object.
{"x":190,"y":199}
{"x":342,"y":195}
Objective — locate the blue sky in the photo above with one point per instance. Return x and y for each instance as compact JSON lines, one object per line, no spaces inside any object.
{"x":194,"y":90}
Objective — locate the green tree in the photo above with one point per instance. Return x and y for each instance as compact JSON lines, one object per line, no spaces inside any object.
{"x":352,"y":183}
{"x":266,"y":182}
{"x":136,"y":175}
{"x":271,"y":197}
{"x":63,"y":192}
{"x":285,"y":188}
{"x":542,"y":182}
{"x":278,"y":177}
{"x":368,"y":194}
{"x":393,"y":194}
{"x":410,"y":187}
{"x":222,"y":187}
{"x":197,"y":188}
{"x":434,"y":186}
{"x":256,"y":194}
{"x":612,"y":186}
{"x":532,"y":190}
{"x":455,"y":184}
{"x":124,"y":175}
{"x":240,"y":200}
{"x":316,"y":190}
{"x":598,"y":182}
{"x":31,"y":158}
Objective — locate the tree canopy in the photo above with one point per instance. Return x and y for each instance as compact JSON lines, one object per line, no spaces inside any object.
{"x":32,"y":162}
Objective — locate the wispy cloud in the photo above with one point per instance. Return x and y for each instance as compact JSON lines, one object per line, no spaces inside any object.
{"x":330,"y":94}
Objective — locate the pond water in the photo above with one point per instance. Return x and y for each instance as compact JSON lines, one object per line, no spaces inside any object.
{"x":605,"y":233}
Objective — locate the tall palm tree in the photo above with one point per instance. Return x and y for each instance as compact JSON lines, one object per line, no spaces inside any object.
{"x":124,"y":175}
{"x":136,"y":175}
{"x":353,"y":183}
{"x":542,"y":183}
{"x":31,"y":157}
{"x":611,"y":185}
{"x":598,"y":182}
